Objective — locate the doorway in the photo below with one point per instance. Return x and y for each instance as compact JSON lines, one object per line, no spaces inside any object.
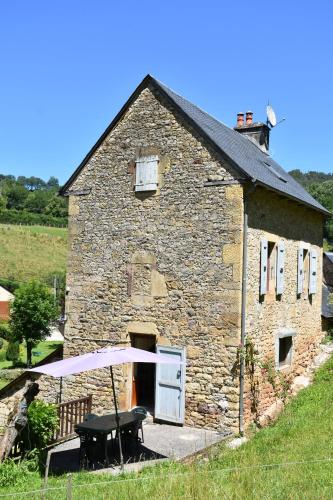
{"x":143,"y":379}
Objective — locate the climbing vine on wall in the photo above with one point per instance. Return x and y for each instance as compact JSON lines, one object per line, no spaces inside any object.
{"x":279,"y":381}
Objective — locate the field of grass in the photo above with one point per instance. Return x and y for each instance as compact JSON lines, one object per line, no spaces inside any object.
{"x":32,"y":251}
{"x":292,"y":459}
{"x":39,"y":352}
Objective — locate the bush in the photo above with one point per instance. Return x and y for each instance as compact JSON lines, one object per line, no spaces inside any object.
{"x":13,"y":352}
{"x":12,"y":472}
{"x":28,"y":218}
{"x":1,"y":343}
{"x":43,"y":421}
{"x":5,"y":332}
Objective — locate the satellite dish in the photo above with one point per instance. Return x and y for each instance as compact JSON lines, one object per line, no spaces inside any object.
{"x":271,"y":117}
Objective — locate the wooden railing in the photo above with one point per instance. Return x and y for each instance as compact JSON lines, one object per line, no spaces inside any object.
{"x":71,"y":413}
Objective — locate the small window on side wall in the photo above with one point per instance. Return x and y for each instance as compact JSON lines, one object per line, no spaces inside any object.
{"x":285,"y":351}
{"x":146,"y":173}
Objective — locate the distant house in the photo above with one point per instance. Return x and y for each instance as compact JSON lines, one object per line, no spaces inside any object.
{"x":186,"y":237}
{"x":5,"y":299}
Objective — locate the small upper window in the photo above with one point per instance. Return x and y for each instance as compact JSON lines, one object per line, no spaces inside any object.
{"x":146,"y":176}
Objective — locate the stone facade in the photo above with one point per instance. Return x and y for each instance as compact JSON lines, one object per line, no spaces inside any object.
{"x":168,"y":264}
{"x":271,"y":317}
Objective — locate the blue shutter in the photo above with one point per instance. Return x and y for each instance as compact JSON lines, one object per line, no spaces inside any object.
{"x":280,"y":268}
{"x":313,"y":272}
{"x":300,"y":271}
{"x":263,"y":266}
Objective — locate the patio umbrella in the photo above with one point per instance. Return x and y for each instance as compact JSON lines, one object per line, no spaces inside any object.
{"x":102,"y":358}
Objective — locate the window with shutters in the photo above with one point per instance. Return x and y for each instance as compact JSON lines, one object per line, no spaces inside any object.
{"x":313,"y":271}
{"x":146,"y":173}
{"x":271,"y":267}
{"x":305,"y":270}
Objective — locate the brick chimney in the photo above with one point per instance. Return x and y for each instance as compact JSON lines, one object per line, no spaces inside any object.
{"x":257,"y":132}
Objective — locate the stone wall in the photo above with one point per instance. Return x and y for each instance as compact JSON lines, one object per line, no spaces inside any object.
{"x":275,"y":218}
{"x":11,"y":395}
{"x":166,"y":264}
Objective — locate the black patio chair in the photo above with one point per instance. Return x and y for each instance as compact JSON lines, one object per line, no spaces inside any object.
{"x":87,"y":444}
{"x":137,"y":426}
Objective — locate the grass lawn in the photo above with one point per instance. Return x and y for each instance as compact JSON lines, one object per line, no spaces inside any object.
{"x":32,"y":251}
{"x":289,"y":460}
{"x":39,"y":352}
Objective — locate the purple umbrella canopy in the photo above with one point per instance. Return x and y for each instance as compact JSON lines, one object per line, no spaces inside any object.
{"x":102,"y":358}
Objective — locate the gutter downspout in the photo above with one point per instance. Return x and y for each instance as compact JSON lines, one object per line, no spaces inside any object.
{"x":243,"y":308}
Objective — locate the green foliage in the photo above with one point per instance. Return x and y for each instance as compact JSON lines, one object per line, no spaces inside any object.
{"x":30,"y":200}
{"x":5,"y":331}
{"x":32,"y":311}
{"x":13,"y":352}
{"x":18,"y":473}
{"x":9,"y":284}
{"x":29,"y":218}
{"x":43,"y":421}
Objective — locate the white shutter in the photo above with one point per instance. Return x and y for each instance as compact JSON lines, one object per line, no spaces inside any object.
{"x":263,"y":266}
{"x":146,"y":173}
{"x":280,"y":268}
{"x":300,"y":271}
{"x":313,"y":272}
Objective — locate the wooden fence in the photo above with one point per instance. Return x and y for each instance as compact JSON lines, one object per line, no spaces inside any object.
{"x":71,"y":413}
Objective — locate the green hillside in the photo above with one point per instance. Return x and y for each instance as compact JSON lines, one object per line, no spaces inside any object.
{"x":32,"y":252}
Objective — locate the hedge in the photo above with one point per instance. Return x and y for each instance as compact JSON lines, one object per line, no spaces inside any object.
{"x":30,"y":219}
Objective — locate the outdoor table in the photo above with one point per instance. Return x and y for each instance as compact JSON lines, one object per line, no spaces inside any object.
{"x":104,"y":425}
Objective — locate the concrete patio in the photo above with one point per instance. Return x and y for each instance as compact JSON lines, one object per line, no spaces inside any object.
{"x":161,"y":442}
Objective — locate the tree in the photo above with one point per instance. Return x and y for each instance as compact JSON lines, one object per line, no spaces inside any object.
{"x":32,"y":312}
{"x":37,"y":200}
{"x":57,"y":207}
{"x":52,"y":183}
{"x":13,"y":352}
{"x":33,"y":183}
{"x":15,"y":195}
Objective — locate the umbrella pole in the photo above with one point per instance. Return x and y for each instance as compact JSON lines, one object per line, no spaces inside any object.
{"x":117,"y":421}
{"x":60,"y":391}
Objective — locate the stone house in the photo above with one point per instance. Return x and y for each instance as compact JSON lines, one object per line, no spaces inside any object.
{"x":186,"y":237}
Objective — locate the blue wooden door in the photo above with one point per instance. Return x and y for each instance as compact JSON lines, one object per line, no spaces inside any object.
{"x":170,"y":386}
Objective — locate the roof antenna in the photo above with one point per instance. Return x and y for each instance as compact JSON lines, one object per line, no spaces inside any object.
{"x":271,"y":117}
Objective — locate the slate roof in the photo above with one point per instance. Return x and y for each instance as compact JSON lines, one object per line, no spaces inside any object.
{"x":242,"y":153}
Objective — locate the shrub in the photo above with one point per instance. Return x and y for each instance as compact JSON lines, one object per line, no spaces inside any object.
{"x":13,"y":352}
{"x":28,"y":218}
{"x":1,"y":343}
{"x":5,"y":332}
{"x":43,"y":421}
{"x":12,"y":472}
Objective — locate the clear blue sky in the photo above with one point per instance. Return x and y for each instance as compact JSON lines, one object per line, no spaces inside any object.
{"x":67,"y":67}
